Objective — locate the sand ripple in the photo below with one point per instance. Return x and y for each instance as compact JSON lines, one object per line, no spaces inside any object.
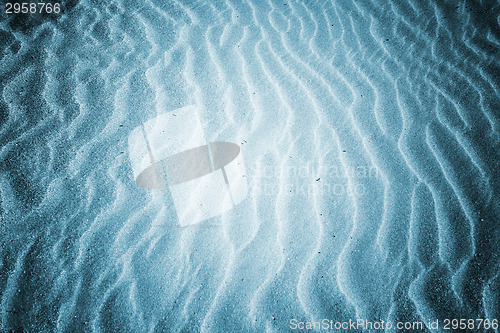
{"x":370,"y":136}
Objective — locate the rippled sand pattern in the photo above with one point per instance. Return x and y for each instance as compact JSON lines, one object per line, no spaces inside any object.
{"x":370,"y":133}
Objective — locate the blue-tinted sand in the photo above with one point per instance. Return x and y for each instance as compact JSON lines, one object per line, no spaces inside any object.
{"x":370,"y":135}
